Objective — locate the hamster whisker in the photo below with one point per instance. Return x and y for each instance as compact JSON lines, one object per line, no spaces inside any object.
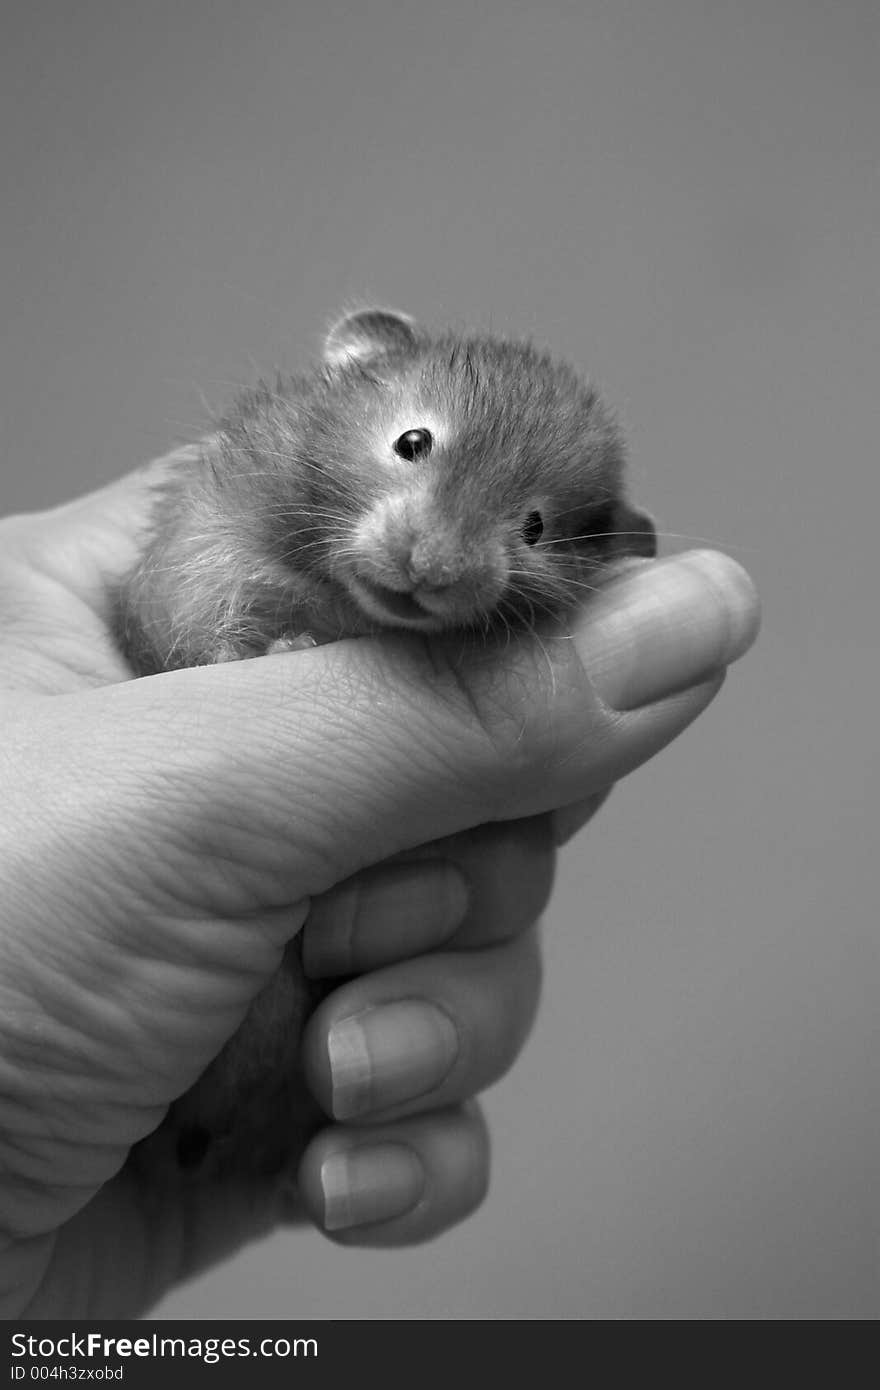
{"x":295,"y":514}
{"x":661,"y":535}
{"x":588,"y":536}
{"x":597,"y":497}
{"x":528,"y":596}
{"x":559,"y":582}
{"x":291,"y":459}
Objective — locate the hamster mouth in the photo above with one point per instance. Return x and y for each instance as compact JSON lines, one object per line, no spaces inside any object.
{"x":391,"y":605}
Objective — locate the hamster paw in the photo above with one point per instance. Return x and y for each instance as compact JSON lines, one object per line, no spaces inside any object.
{"x":291,"y":642}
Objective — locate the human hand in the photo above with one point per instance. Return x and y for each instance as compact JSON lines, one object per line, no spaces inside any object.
{"x":162,"y":839}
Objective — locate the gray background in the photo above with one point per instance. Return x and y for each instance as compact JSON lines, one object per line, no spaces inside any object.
{"x":682,"y":196}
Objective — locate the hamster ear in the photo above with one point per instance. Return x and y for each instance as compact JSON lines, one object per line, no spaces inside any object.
{"x":636,"y":534}
{"x":368,"y":333}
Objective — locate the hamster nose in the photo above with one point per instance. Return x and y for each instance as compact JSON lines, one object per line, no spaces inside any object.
{"x":431,"y":563}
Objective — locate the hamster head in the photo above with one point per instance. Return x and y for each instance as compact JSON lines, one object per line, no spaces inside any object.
{"x":455,"y":481}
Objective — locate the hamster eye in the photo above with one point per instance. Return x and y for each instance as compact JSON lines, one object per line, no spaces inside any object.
{"x":415,"y":444}
{"x":533,"y":528}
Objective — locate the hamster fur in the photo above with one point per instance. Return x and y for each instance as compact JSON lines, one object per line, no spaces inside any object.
{"x":304,"y":512}
{"x":413,"y":480}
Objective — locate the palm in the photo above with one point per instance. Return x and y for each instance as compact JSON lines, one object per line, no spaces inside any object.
{"x":126,"y":1244}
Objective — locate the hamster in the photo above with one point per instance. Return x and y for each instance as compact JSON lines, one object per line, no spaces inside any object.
{"x":417,"y":481}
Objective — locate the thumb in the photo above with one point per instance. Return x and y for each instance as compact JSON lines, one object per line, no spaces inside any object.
{"x":288,"y":775}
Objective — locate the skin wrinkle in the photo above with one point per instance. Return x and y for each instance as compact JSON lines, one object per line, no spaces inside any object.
{"x":26,"y":1218}
{"x":70,"y":1095}
{"x":45,"y":1151}
{"x":433,"y":663}
{"x":75,"y":1121}
{"x":92,"y":1007}
{"x":226,"y":1009}
{"x":239,"y":956}
{"x":450,"y":679}
{"x":51,"y":1055}
{"x":135,"y":1019}
{"x":98,"y":928}
{"x":72,"y":956}
{"x":103,"y":1160}
{"x":34,"y":1200}
{"x":264,"y":855}
{"x":25,"y":600}
{"x":77,"y":850}
{"x":175,"y":852}
{"x":261,"y":849}
{"x":394,"y":678}
{"x":91,"y":1013}
{"x":58,"y":988}
{"x":335,"y":683}
{"x":408,"y":685}
{"x":531,"y":671}
{"x":504,"y":696}
{"x":217,"y":879}
{"x":184,"y":945}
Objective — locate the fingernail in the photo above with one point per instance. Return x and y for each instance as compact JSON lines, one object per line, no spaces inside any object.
{"x":387,"y":1055}
{"x":667,"y":625}
{"x":364,"y":1185}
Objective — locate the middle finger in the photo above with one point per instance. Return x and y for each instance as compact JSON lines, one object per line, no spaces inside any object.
{"x":427,"y":1032}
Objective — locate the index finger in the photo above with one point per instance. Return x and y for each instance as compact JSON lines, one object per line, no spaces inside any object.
{"x":469,"y":890}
